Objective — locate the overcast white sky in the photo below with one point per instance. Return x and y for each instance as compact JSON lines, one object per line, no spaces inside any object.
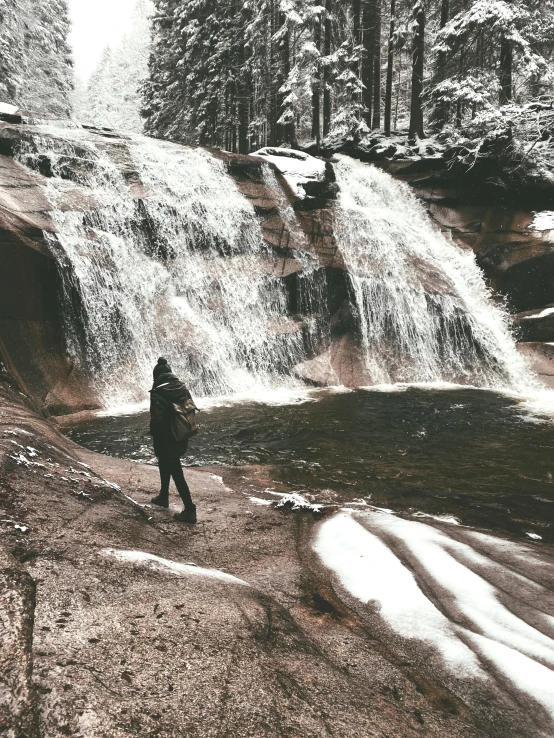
{"x":95,"y":24}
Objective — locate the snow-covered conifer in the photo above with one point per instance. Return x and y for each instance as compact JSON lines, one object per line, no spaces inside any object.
{"x":36,"y":69}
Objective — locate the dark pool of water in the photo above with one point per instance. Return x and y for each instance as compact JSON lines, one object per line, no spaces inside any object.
{"x":467,"y":453}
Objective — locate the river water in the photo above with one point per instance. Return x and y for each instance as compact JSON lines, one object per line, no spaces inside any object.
{"x":473,"y":454}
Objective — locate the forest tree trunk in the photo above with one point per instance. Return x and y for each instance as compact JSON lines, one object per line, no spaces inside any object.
{"x":316,"y":90}
{"x":273,"y":78}
{"x":376,"y":119}
{"x":441,"y":112}
{"x":326,"y":70}
{"x":390,"y":66}
{"x":244,"y":103}
{"x":357,"y":97}
{"x":418,"y":51}
{"x":506,"y":61}
{"x":368,"y":65}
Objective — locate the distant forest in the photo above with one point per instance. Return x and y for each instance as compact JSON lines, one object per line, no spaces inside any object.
{"x":36,"y":69}
{"x":242,"y":75}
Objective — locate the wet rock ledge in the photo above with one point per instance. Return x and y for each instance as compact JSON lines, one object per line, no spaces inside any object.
{"x":117,"y":621}
{"x":32,"y":332}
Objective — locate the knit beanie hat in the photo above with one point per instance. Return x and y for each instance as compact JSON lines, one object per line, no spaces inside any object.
{"x":162,"y":367}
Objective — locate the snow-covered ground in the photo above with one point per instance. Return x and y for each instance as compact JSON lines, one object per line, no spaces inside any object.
{"x":486,"y":605}
{"x":175,"y":567}
{"x":7,"y":109}
{"x":543,"y":221}
{"x":296,"y":167}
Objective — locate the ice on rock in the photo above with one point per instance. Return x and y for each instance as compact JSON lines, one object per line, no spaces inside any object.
{"x":296,"y":167}
{"x":492,"y":612}
{"x":157,"y":562}
{"x":7,"y":109}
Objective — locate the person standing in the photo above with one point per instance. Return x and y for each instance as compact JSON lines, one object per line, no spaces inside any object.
{"x":167,"y":390}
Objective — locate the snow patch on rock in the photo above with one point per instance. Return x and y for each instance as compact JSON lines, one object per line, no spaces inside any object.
{"x":543,"y":221}
{"x":7,"y":109}
{"x":16,"y":525}
{"x":491,"y":611}
{"x":157,"y":562}
{"x":450,"y":519}
{"x":296,"y":502}
{"x":542,"y":314}
{"x":530,"y":676}
{"x":220,"y":481}
{"x":371,"y":573}
{"x":296,"y":167}
{"x":22,"y":460}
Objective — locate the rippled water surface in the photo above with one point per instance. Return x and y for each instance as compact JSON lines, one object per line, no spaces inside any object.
{"x":469,"y":453}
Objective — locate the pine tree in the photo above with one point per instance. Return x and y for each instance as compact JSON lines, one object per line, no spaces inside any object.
{"x":244,"y":74}
{"x":112,"y":95}
{"x":35,"y":59}
{"x":418,"y":56}
{"x":479,"y":51}
{"x":390,"y":68}
{"x":327,"y":61}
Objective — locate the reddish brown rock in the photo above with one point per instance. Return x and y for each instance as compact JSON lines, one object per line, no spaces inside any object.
{"x":518,"y":261}
{"x":236,"y":629}
{"x":342,"y":363}
{"x":541,"y":359}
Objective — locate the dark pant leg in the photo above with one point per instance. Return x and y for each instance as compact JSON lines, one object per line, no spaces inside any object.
{"x":164,"y":465}
{"x":181,"y":482}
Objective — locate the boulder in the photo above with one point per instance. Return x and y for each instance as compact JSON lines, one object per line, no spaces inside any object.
{"x":535,"y":325}
{"x":10,"y":113}
{"x":342,"y":363}
{"x":312,"y":180}
{"x":541,"y":358}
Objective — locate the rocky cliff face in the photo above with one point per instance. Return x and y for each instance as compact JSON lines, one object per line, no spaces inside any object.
{"x":517,"y":259}
{"x":498,"y":224}
{"x":32,"y":332}
{"x":31,"y":336}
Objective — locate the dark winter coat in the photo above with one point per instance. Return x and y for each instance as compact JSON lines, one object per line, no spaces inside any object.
{"x":167,"y":390}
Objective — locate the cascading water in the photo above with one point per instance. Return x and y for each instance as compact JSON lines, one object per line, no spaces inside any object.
{"x":160,"y":254}
{"x":311,"y":282}
{"x":183,"y":272}
{"x":424,"y":310}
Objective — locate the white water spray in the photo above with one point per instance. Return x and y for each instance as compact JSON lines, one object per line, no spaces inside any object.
{"x":425,"y":312}
{"x":183,"y":272}
{"x":311,"y":281}
{"x":177,"y":266}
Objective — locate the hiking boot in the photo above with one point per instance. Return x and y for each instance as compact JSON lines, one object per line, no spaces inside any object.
{"x":160,"y":500}
{"x":186,"y":516}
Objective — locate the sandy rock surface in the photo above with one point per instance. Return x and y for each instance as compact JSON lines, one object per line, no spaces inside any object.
{"x":118,"y":621}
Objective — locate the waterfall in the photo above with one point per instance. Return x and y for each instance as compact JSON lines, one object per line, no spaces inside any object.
{"x":425,"y":312}
{"x":310,"y":299}
{"x":159,"y":253}
{"x":182,"y":271}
